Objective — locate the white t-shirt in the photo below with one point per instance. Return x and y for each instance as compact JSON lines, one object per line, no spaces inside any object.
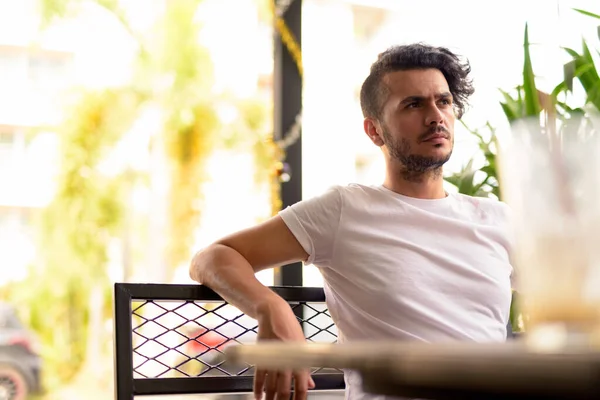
{"x":401,"y":268}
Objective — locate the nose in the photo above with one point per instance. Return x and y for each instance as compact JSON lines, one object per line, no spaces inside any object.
{"x":434,"y":115}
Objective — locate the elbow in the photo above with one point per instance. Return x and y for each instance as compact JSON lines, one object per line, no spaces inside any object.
{"x":209,"y":263}
{"x":204,"y":263}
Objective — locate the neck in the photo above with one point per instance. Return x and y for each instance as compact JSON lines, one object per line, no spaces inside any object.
{"x":422,"y":185}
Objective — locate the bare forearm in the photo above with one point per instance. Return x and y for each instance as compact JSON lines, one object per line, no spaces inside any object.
{"x":228,"y":273}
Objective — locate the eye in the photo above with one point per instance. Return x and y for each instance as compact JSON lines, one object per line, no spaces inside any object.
{"x":412,"y":105}
{"x":446,"y":102}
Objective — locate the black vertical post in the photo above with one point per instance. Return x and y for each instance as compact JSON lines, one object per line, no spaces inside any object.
{"x":287,"y":105}
{"x":123,"y":344}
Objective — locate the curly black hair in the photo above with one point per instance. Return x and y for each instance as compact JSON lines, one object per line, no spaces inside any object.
{"x":416,"y":56}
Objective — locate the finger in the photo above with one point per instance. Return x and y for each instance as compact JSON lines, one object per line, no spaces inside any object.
{"x":271,"y":385}
{"x":259,"y":383}
{"x":284,"y":385}
{"x":302,"y":381}
{"x":311,"y":382}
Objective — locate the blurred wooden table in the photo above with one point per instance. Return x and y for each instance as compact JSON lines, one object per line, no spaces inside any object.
{"x":451,"y":371}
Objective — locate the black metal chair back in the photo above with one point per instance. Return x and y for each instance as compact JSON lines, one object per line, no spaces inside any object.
{"x":169,"y":339}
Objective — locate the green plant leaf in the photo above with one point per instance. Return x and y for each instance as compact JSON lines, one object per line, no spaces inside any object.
{"x":583,"y":69}
{"x":587,"y":73}
{"x":453,"y":179}
{"x":514,"y":312}
{"x":489,"y":170}
{"x":513,"y":109}
{"x":561,"y":87}
{"x":566,"y":108}
{"x":532,"y":103}
{"x":463,"y":180}
{"x":588,"y":13}
{"x":586,"y":52}
{"x":589,"y":78}
{"x":594,"y":94}
{"x":509,"y":112}
{"x":571,"y":52}
{"x":471,"y":131}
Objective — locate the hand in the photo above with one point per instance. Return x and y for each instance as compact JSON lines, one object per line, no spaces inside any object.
{"x":276,"y":321}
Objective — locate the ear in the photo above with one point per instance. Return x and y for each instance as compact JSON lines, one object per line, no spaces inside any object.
{"x":373,"y":130}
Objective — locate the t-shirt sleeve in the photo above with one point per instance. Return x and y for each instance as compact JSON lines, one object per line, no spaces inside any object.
{"x":314,"y":222}
{"x":511,"y":237}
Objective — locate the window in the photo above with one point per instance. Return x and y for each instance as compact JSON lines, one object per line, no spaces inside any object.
{"x":7,"y":148}
{"x":13,"y":65}
{"x":47,"y":71}
{"x":12,"y":149}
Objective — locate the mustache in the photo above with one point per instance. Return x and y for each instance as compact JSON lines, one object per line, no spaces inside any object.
{"x":434,"y":130}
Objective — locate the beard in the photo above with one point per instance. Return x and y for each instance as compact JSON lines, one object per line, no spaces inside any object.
{"x":415,"y":165}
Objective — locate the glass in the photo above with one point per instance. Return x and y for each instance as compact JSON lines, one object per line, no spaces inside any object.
{"x":550,"y":177}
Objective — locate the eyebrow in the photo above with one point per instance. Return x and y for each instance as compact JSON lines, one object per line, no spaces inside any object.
{"x":410,"y":99}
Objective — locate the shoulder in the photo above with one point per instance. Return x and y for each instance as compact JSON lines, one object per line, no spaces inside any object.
{"x":349,"y":192}
{"x":335,"y":199}
{"x":350,"y":188}
{"x":488,"y":207}
{"x":486,"y":202}
{"x":357,"y":191}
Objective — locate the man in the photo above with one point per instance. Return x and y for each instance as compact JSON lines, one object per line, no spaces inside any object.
{"x":404,"y":260}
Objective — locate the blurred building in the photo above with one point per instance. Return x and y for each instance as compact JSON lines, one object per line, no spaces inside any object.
{"x":340,"y":39}
{"x":32,"y":77}
{"x":37,"y":67}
